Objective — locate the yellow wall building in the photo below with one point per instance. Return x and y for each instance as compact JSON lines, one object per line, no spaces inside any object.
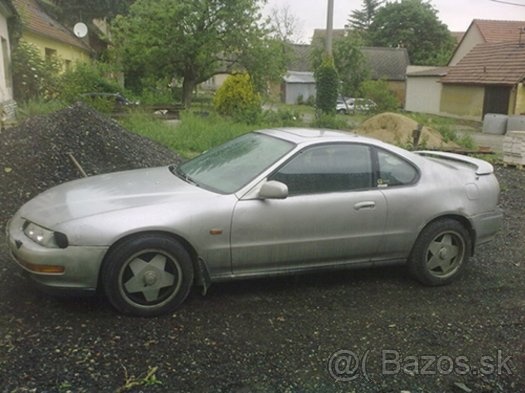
{"x":53,"y":40}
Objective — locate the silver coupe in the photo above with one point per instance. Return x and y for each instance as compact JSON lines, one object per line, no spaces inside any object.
{"x":277,"y":201}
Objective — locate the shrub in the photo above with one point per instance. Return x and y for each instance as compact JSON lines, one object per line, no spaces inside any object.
{"x":87,"y":78}
{"x":379,"y":92}
{"x":327,"y":84}
{"x":237,"y":98}
{"x":33,"y":77}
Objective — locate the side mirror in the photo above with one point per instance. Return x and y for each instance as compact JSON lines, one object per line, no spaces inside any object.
{"x":273,"y":190}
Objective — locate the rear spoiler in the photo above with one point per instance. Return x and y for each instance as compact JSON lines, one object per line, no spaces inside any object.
{"x":482,"y":167}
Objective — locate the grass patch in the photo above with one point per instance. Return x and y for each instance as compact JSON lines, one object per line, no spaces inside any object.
{"x":149,"y":126}
{"x":196,"y":134}
{"x":193,"y":135}
{"x":333,"y":122}
{"x":38,"y":107}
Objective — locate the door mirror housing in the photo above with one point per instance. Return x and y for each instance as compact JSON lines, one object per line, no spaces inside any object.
{"x":273,"y":190}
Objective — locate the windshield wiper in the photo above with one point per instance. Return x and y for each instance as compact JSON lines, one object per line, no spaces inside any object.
{"x":176,"y":171}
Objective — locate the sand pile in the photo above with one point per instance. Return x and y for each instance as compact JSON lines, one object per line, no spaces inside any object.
{"x":397,"y":129}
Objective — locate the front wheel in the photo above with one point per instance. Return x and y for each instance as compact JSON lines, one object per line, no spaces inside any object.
{"x":440,"y":253}
{"x":147,"y":275}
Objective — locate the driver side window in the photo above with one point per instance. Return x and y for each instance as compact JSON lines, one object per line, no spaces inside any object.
{"x":327,"y":168}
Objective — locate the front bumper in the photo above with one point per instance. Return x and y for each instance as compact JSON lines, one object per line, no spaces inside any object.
{"x":81,"y":264}
{"x":487,"y":225}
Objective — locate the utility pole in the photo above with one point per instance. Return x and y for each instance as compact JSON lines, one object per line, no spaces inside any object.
{"x":329,"y":28}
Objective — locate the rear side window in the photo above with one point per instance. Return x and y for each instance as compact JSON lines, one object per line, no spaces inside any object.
{"x":394,"y":171}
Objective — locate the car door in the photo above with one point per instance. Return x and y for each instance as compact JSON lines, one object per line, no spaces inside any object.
{"x":333,"y":214}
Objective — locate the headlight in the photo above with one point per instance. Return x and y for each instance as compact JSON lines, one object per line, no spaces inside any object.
{"x":45,"y":237}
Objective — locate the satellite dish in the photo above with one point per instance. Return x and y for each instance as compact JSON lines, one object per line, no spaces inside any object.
{"x":80,"y":30}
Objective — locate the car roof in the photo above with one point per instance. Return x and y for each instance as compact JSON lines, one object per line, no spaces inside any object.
{"x":313,"y":135}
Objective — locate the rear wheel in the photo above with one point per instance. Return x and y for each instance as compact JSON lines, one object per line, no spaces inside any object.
{"x":147,"y":275}
{"x":440,"y":253}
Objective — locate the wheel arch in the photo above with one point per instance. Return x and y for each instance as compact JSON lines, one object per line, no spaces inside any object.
{"x":187,"y":246}
{"x":465,"y":222}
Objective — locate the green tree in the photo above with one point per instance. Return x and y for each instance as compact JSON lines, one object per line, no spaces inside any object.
{"x":327,"y":86}
{"x":194,"y":40}
{"x":360,"y":20}
{"x":412,"y":24}
{"x":349,"y":61}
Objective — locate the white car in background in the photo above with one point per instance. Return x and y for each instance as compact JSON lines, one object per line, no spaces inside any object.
{"x":352,"y":105}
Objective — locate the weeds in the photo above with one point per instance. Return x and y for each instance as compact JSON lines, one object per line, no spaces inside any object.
{"x":193,"y":135}
{"x":131,"y":382}
{"x":38,"y":107}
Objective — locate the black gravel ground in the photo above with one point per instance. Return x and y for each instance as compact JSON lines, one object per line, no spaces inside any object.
{"x":294,"y":334}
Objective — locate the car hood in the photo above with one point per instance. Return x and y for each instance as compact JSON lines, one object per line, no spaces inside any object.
{"x":106,"y":193}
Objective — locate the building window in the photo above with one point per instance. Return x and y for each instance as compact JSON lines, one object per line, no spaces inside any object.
{"x":67,"y":65}
{"x":51,"y":54}
{"x":7,"y":63}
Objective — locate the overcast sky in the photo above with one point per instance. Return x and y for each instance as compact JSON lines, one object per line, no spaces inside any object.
{"x":457,"y":14}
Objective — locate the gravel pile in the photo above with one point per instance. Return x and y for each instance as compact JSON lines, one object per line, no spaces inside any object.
{"x":36,"y":155}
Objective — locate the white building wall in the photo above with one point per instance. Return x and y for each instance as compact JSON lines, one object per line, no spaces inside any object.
{"x":294,"y":90}
{"x":423,"y":94}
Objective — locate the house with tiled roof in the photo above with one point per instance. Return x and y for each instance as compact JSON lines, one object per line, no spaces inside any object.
{"x":489,"y":79}
{"x":486,"y":32}
{"x":484,"y":75}
{"x":7,"y":104}
{"x":51,"y":38}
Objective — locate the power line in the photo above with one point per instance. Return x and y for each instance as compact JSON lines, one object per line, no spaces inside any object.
{"x":508,"y":3}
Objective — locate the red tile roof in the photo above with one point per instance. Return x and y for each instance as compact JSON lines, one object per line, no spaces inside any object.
{"x":499,"y":30}
{"x":35,"y":20}
{"x":501,"y":63}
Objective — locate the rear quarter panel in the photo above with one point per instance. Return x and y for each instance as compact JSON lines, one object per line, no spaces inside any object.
{"x":442,"y":190}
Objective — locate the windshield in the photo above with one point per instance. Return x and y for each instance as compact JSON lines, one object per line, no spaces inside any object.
{"x":230,"y":166}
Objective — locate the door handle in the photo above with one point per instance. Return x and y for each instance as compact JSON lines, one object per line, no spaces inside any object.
{"x":364,"y":205}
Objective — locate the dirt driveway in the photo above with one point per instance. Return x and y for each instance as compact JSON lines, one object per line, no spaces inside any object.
{"x":295,"y":334}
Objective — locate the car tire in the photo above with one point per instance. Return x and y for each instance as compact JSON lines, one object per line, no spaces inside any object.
{"x":440,"y":253}
{"x":147,"y":275}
